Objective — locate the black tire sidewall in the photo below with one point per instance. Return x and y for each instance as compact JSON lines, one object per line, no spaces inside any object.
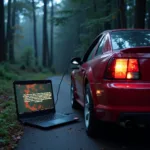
{"x":92,"y":121}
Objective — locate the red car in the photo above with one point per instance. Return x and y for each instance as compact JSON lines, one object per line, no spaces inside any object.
{"x":112,"y":80}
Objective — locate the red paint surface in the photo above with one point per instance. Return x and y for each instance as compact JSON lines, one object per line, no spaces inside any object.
{"x":119,"y":95}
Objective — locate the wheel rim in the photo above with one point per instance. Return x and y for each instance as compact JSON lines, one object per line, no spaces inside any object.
{"x":71,"y":94}
{"x":87,"y":111}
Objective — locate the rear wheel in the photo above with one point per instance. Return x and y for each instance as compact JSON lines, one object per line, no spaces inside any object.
{"x":74,"y":103}
{"x":89,"y":117}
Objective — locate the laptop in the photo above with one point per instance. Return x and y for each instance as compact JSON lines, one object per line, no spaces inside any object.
{"x":35,"y":104}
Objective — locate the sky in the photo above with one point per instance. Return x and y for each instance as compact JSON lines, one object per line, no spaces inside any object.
{"x":55,"y":1}
{"x":40,"y":4}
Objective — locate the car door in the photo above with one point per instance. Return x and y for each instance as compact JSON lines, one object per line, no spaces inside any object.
{"x":82,"y":69}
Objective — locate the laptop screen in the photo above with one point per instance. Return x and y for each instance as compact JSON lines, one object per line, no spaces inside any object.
{"x":34,"y":97}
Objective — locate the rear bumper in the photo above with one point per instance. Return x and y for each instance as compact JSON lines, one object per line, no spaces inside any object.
{"x":119,"y":114}
{"x":135,"y":117}
{"x":120,"y":101}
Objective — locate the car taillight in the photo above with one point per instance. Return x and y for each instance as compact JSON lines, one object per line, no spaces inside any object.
{"x":122,"y":69}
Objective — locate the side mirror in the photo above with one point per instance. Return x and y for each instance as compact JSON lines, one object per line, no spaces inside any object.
{"x":76,"y":61}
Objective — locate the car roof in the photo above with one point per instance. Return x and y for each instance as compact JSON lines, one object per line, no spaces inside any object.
{"x":123,"y":29}
{"x":116,"y":30}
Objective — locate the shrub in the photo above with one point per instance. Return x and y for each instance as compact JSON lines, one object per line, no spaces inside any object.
{"x":27,"y":58}
{"x":6,"y":73}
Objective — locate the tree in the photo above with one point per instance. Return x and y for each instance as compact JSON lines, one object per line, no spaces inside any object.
{"x":148,"y":12}
{"x":107,"y":24}
{"x":118,"y":15}
{"x":114,"y":8}
{"x":12,"y":34}
{"x":94,"y":6}
{"x":2,"y":33}
{"x":122,"y":21}
{"x":130,"y":13}
{"x":140,"y":10}
{"x":52,"y":34}
{"x":45,"y":36}
{"x":35,"y":33}
{"x":8,"y":26}
{"x":123,"y":18}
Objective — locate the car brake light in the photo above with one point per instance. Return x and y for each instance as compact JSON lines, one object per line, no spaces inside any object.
{"x":133,"y":65}
{"x":123,"y":69}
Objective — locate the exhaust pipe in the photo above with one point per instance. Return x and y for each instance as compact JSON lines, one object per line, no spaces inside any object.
{"x":127,"y":124}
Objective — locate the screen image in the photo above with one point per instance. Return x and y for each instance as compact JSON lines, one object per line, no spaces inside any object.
{"x":34,"y":97}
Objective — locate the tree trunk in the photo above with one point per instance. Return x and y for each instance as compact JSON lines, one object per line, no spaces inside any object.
{"x":17,"y":18}
{"x":52,"y":35}
{"x":45,"y":36}
{"x":148,"y":21}
{"x":131,"y":16}
{"x":8,"y":26}
{"x":94,"y":6}
{"x":123,"y":19}
{"x":113,"y":9}
{"x":107,"y":24}
{"x":140,"y":10}
{"x":148,"y":11}
{"x":118,"y":15}
{"x":12,"y":35}
{"x":2,"y":33}
{"x":35,"y":34}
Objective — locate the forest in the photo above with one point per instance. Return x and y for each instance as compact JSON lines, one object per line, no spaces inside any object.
{"x":45,"y":31}
{"x":39,"y":37}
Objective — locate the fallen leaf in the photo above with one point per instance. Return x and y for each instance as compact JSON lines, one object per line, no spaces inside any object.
{"x":18,"y":137}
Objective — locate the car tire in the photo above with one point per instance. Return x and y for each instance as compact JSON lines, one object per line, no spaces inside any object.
{"x":74,"y":103}
{"x":89,"y":117}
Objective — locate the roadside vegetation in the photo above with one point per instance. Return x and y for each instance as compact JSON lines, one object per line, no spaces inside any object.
{"x":10,"y":129}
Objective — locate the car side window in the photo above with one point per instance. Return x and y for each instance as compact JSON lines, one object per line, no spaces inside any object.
{"x":92,"y":53}
{"x":100,"y":47}
{"x":92,"y":49}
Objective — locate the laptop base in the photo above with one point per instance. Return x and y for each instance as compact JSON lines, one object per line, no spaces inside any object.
{"x":52,"y":123}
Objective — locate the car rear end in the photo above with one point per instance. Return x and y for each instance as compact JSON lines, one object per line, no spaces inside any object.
{"x":126,"y":83}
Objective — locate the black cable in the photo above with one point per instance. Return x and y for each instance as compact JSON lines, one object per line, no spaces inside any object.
{"x":61,"y":82}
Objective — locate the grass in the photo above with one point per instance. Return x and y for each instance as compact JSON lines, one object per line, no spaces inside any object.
{"x":10,"y":129}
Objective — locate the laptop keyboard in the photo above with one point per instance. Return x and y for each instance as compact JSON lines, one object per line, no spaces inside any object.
{"x":45,"y":118}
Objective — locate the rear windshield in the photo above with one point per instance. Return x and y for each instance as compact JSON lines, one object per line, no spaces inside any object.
{"x":130,"y":39}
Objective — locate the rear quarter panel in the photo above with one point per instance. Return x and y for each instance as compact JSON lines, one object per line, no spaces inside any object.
{"x":99,"y":65}
{"x":95,"y":70}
